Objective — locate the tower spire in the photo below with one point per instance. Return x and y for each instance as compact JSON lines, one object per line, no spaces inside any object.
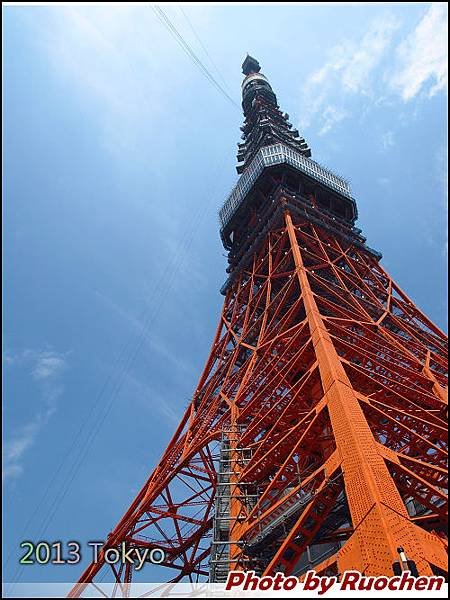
{"x":264,"y":123}
{"x":316,"y":436}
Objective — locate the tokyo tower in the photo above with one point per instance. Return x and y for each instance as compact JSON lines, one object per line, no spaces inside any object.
{"x":316,"y":437}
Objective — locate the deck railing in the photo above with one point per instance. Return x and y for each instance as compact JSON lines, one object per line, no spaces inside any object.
{"x":274,"y":155}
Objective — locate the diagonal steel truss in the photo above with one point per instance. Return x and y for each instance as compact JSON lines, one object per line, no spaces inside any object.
{"x":334,"y":383}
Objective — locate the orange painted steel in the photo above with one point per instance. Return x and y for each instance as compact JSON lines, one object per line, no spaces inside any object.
{"x":304,"y":362}
{"x":330,"y":388}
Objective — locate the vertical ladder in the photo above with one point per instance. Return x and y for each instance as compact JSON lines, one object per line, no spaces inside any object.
{"x":220,"y":546}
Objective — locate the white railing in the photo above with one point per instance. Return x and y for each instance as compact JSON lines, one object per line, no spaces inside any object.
{"x":274,"y":155}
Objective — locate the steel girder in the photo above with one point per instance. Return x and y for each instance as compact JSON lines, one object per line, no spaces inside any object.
{"x":336,"y":383}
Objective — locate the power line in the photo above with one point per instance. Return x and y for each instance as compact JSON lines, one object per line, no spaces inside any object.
{"x":104,"y":403}
{"x":122,"y":358}
{"x":203,"y":46}
{"x":164,"y":20}
{"x":124,"y":362}
{"x":128,"y":354}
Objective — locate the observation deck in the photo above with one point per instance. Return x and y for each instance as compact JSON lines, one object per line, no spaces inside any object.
{"x":277,"y":154}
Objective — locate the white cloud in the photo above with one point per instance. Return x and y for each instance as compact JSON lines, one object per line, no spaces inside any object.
{"x":376,"y":70}
{"x":48,"y":366}
{"x":364,"y":57}
{"x":421,"y":59}
{"x":349,"y":71}
{"x":45,"y":367}
{"x":387,"y":141}
{"x":331,"y":116}
{"x":15,"y":448}
{"x":44,"y":364}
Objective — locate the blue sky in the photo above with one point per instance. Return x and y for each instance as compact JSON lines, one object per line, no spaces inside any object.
{"x":118,"y":155}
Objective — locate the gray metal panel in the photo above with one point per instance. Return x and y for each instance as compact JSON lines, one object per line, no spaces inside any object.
{"x":274,"y":155}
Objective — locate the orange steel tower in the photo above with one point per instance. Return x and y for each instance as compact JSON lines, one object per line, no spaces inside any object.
{"x":316,"y":437}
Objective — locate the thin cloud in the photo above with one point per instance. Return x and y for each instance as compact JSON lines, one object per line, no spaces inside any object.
{"x":45,"y":368}
{"x":48,"y":366}
{"x":15,"y":448}
{"x":421,"y":59}
{"x":348,"y":72}
{"x":360,"y":68}
{"x":387,"y":141}
{"x":332,"y":116}
{"x":356,"y":71}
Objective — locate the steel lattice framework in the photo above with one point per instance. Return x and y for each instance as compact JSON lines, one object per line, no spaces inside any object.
{"x":316,"y":437}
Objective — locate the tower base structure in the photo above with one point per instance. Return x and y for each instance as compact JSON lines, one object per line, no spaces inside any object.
{"x":317,"y":435}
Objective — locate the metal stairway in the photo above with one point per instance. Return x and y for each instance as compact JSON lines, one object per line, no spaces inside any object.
{"x":220,"y":547}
